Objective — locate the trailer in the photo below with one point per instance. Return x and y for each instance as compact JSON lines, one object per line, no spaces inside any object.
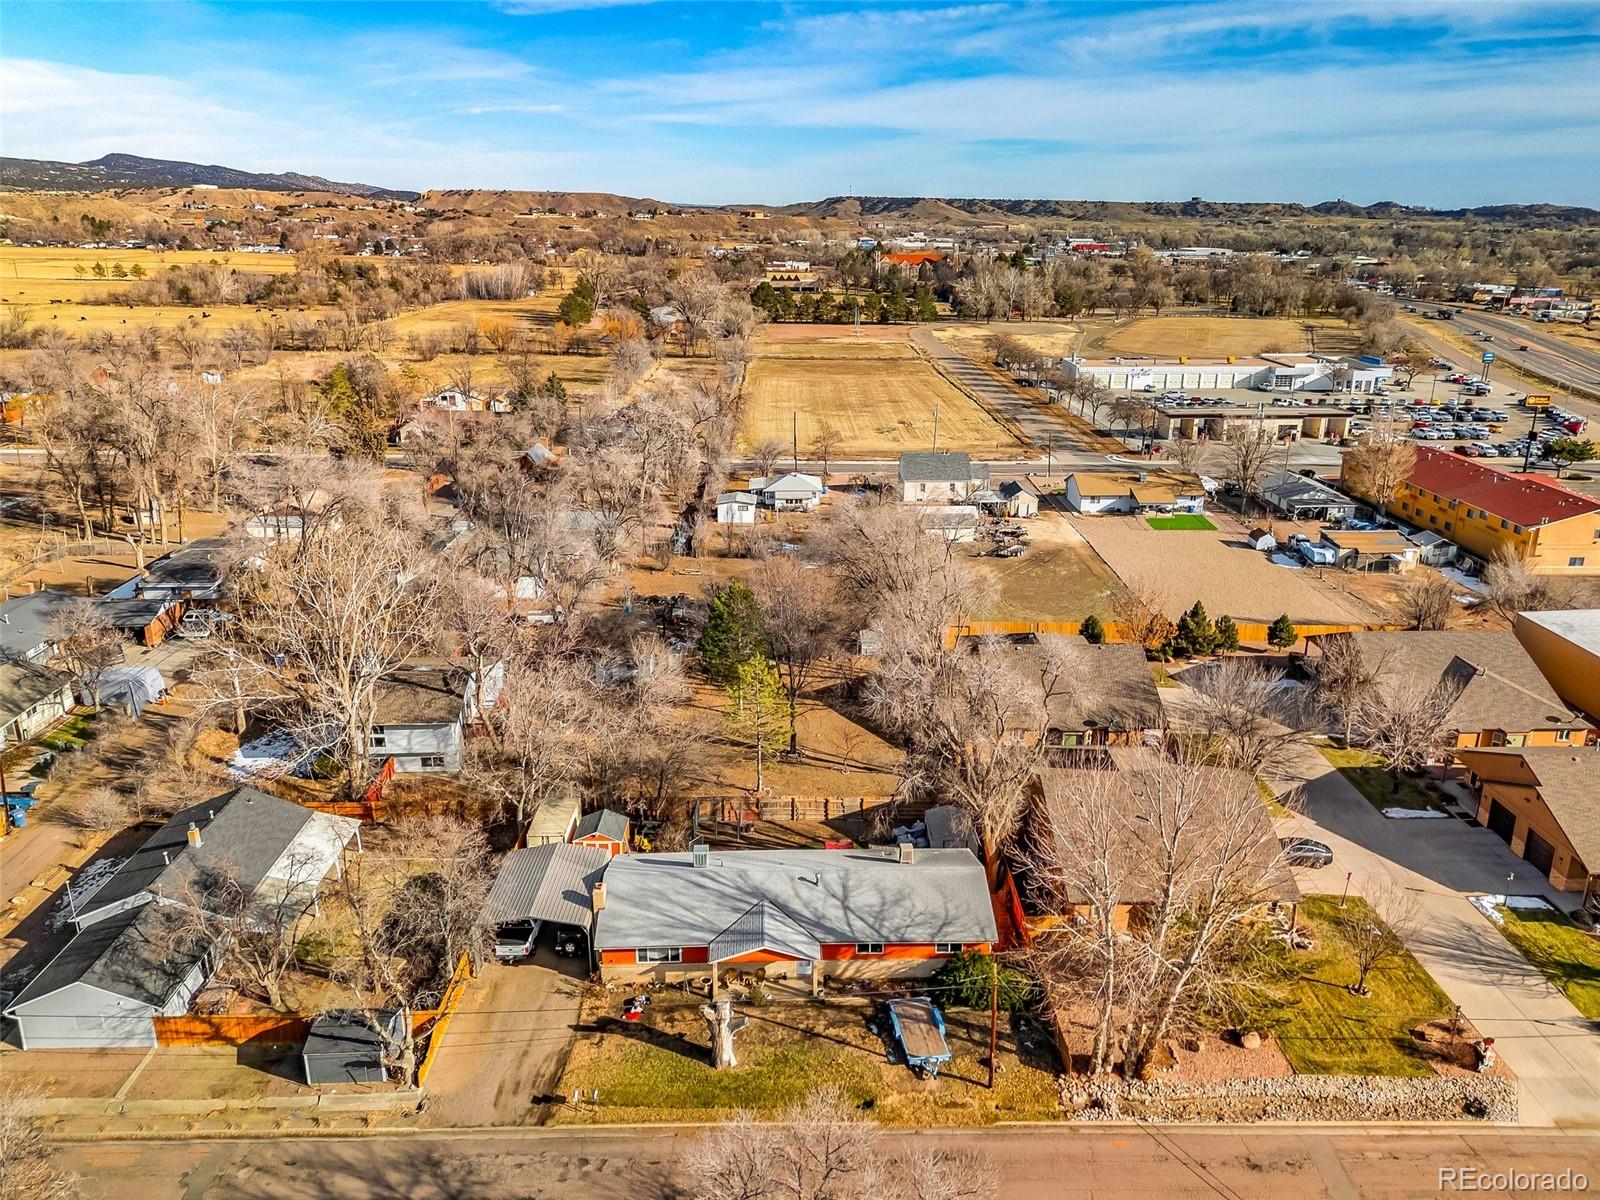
{"x":919,"y":1028}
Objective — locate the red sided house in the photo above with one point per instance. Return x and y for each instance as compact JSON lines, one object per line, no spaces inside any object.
{"x":605,"y":829}
{"x":888,"y":914}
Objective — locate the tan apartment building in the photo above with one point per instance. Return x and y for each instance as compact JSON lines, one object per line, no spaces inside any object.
{"x":1566,"y":646}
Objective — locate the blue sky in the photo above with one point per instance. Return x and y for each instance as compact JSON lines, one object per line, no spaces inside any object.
{"x":1442,"y":102}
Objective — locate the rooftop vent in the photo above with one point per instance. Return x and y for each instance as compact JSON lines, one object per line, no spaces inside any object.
{"x":194,"y":834}
{"x":908,"y":852}
{"x":702,"y":854}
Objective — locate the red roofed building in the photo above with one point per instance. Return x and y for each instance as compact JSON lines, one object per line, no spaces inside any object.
{"x":912,"y":259}
{"x":1484,"y":509}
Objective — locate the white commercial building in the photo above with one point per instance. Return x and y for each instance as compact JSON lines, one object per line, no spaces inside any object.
{"x":1268,"y":373}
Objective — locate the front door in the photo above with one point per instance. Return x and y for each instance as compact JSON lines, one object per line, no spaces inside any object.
{"x":1502,"y":821}
{"x":1539,"y":853}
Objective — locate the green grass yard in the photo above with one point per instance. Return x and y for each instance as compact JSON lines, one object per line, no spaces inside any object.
{"x":1181,"y":521}
{"x":1323,"y":1029}
{"x":72,"y":734}
{"x":1368,"y":773}
{"x":1568,"y":956}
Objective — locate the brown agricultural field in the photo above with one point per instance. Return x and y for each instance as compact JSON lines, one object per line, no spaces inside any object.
{"x":877,"y":394}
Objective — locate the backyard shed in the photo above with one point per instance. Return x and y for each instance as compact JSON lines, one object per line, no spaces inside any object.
{"x":343,"y":1047}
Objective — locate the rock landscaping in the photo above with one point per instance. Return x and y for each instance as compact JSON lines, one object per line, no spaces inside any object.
{"x":1313,"y":1098}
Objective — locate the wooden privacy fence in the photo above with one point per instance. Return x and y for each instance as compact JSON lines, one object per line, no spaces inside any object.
{"x":1249,"y":631}
{"x":370,"y":808}
{"x":437,"y":1021}
{"x":196,"y":1030}
{"x":736,"y":810}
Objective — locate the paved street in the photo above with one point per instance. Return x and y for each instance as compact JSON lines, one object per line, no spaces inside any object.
{"x":1553,"y":1048}
{"x":1032,"y":1163}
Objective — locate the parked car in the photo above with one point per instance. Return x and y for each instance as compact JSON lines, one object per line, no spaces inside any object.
{"x":515,"y":939}
{"x":1305,"y":852}
{"x":1524,"y":349}
{"x":571,"y":941}
{"x":194,"y":627}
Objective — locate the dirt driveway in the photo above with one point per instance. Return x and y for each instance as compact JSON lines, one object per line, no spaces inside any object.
{"x":1216,"y":567}
{"x":507,"y":1043}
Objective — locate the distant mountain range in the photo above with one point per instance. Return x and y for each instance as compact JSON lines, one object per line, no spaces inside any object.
{"x":117,"y":171}
{"x":132,"y":171}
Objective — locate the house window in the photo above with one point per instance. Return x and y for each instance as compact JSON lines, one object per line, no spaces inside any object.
{"x":1575,"y":561}
{"x":658,"y":954}
{"x":1404,"y":507}
{"x":947,"y":947}
{"x":1563,"y":735}
{"x":1449,"y":525}
{"x":379,"y":738}
{"x":1519,"y":529}
{"x":1453,"y":504}
{"x":869,"y":947}
{"x":1504,"y":524}
{"x":432,"y":762}
{"x":1433,"y":520}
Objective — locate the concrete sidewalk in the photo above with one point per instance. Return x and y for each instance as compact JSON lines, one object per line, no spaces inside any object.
{"x":1552,"y":1047}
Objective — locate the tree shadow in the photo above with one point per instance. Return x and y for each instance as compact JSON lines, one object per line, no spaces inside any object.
{"x":649,"y":1035}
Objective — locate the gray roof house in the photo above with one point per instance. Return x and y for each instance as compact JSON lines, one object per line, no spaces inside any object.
{"x":134,"y":956}
{"x":934,"y":476}
{"x":1301,"y":498}
{"x":553,"y":882}
{"x":421,"y":712}
{"x":268,"y":847}
{"x":896,"y":912}
{"x":105,"y":987}
{"x":32,"y":698}
{"x":26,"y":623}
{"x":191,"y":572}
{"x":1501,"y":697}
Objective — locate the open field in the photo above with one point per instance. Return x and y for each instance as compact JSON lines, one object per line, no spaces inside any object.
{"x":881,"y":400}
{"x":1211,"y":336}
{"x":1060,"y":337}
{"x":1219,"y":570}
{"x":1324,"y":1028}
{"x":1059,"y":578}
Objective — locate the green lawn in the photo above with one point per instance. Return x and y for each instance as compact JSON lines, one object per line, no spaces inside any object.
{"x":72,"y":734}
{"x":1180,"y":521}
{"x":1323,"y":1029}
{"x":1569,"y":957}
{"x":1373,"y":780}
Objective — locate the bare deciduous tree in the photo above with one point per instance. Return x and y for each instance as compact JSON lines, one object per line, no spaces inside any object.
{"x":1241,"y":714}
{"x":1376,"y":933}
{"x":1247,"y":453}
{"x":764,"y":455}
{"x":1381,"y":461}
{"x":801,"y":616}
{"x":30,"y":1169}
{"x":1345,"y":682}
{"x":1426,"y":602}
{"x":86,"y":646}
{"x":1513,"y":586}
{"x":824,"y":1148}
{"x":321,"y":624}
{"x":1407,"y":722}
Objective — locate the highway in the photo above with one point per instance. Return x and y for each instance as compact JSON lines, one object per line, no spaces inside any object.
{"x":1568,"y":365}
{"x":1052,"y":1162}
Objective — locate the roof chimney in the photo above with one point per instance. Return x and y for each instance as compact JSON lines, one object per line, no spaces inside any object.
{"x":1144,"y":476}
{"x":702,"y":854}
{"x":597,"y":898}
{"x":908,"y":853}
{"x":194,"y":834}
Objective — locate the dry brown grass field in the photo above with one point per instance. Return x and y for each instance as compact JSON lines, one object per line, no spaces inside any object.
{"x":1166,"y":337}
{"x":878,"y":395}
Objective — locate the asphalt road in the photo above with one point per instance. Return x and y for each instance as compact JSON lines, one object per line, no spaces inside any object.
{"x":1123,"y":1162}
{"x":1554,"y":357}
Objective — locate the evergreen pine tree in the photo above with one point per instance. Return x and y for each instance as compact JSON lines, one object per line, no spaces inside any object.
{"x":1091,"y":630}
{"x":1282,"y":634}
{"x":733,"y":634}
{"x":1196,"y":634}
{"x":1227,"y":634}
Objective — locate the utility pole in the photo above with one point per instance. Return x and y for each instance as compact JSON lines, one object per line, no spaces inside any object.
{"x":936,"y":427}
{"x":1533,"y":429}
{"x":994,"y":1016}
{"x":1050,"y":456}
{"x":794,"y":436}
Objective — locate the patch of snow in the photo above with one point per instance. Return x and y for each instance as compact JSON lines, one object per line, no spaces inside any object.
{"x":1414,"y":814}
{"x":271,"y":755}
{"x":1490,"y":906}
{"x":1474,"y":585}
{"x":1285,"y":560}
{"x":81,"y":890}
